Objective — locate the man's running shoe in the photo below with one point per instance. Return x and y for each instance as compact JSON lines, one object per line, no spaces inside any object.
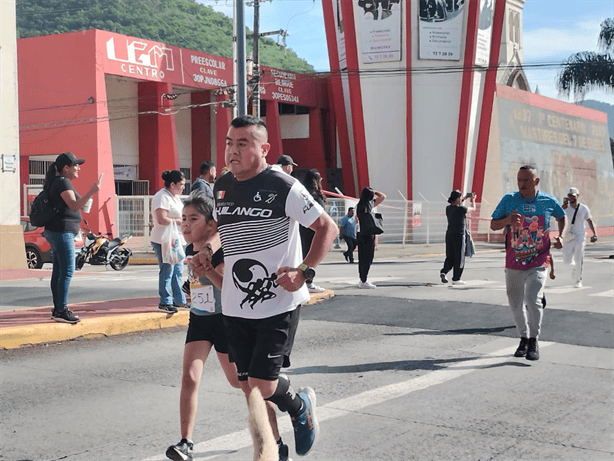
{"x":182,"y":451}
{"x":64,"y":316}
{"x":305,"y":424}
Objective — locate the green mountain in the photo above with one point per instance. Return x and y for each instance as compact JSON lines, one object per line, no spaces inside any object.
{"x":182,"y":23}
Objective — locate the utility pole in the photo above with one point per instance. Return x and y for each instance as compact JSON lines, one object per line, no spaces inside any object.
{"x":255,"y":80}
{"x":239,"y":13}
{"x":256,"y":77}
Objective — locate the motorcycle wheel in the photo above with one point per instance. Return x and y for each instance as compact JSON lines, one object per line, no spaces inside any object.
{"x":120,"y":260}
{"x":79,"y":261}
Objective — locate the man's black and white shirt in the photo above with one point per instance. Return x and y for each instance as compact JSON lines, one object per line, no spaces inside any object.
{"x":258,"y":222}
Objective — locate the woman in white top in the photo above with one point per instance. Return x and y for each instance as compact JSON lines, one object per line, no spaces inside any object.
{"x":167,"y":207}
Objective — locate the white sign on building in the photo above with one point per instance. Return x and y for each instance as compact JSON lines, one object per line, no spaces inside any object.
{"x":441,"y":26}
{"x":381,"y":31}
{"x":482,"y":52}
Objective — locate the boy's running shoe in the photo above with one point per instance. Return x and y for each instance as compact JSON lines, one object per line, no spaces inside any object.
{"x":181,"y":452}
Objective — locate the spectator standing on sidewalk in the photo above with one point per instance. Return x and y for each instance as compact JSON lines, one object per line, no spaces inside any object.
{"x":62,"y":230}
{"x":527,"y":257}
{"x":313,"y":183}
{"x":206,"y":327}
{"x":167,"y":207}
{"x":575,"y":234}
{"x":369,"y":199}
{"x":286,"y":163}
{"x":265,"y":274}
{"x":208,"y":174}
{"x":456,"y":213}
{"x":347,"y":228}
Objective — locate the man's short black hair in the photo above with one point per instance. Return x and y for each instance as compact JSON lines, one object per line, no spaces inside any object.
{"x":206,"y":166}
{"x":533,"y":168}
{"x":350,"y":209}
{"x":248,"y":120}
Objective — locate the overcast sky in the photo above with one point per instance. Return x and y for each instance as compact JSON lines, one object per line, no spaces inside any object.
{"x":552,"y":31}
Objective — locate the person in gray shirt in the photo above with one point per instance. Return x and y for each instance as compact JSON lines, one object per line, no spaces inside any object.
{"x":208,"y":174}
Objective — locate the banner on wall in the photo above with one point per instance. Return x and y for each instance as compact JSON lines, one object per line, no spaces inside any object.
{"x":157,"y":62}
{"x":440,"y":29}
{"x":288,"y":87}
{"x":338,"y":18}
{"x":380,"y":30}
{"x":482,"y":52}
{"x":568,"y":151}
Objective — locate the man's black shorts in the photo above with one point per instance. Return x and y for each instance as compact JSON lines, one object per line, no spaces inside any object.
{"x":208,"y":328}
{"x":261,"y":347}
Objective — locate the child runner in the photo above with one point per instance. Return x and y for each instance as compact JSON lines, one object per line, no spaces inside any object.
{"x":206,"y":327}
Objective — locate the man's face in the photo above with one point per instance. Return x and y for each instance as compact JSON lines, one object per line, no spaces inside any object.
{"x":573,"y":199}
{"x":211,"y":174}
{"x":351,"y":212}
{"x":246,"y":151}
{"x":288,"y":168}
{"x":527,"y":183}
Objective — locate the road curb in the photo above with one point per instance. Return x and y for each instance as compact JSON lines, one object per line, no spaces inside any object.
{"x":27,"y":335}
{"x":142,"y":261}
{"x":14,"y":337}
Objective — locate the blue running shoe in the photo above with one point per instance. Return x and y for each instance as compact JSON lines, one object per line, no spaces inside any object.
{"x":305,"y":424}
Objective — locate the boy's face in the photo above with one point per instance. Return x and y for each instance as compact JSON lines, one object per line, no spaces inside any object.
{"x":195,"y":227}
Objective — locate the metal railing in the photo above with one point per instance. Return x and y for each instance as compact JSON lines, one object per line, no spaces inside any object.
{"x":406,"y":222}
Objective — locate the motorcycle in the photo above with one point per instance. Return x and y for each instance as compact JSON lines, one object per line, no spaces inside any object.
{"x":98,"y":250}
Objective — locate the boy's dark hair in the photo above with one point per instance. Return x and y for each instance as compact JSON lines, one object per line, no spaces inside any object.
{"x":206,"y":166}
{"x":202,"y":203}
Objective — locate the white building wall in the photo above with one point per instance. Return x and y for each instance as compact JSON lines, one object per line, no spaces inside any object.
{"x":9,"y":128}
{"x":384,"y":102}
{"x":183,"y":126}
{"x":123,"y":106}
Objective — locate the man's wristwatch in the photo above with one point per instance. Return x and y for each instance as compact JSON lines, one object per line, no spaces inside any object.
{"x":308,"y":272}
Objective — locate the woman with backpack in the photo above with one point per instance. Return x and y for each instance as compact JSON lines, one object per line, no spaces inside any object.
{"x":64,"y":227}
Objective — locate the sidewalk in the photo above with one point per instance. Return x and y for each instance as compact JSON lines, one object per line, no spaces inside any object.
{"x":22,"y":327}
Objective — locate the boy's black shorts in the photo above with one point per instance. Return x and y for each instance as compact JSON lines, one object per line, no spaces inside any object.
{"x":208,"y":328}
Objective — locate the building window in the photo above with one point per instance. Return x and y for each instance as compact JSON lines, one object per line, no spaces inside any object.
{"x":38,"y":170}
{"x":290,"y":109}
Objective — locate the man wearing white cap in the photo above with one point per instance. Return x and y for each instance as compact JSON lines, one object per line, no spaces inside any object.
{"x":573,"y":251}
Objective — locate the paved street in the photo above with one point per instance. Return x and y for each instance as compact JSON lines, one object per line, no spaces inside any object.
{"x":411,"y":370}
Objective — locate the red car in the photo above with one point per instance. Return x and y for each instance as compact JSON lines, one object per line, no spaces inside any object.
{"x":38,"y":251}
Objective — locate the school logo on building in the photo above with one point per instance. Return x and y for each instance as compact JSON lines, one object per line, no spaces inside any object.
{"x":139,"y":58}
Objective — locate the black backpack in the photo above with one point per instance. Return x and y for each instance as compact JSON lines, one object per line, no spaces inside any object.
{"x":42,"y":211}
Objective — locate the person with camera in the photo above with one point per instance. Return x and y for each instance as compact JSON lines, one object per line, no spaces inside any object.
{"x":573,"y":251}
{"x":62,"y":230}
{"x":456,"y":213}
{"x":369,"y":199}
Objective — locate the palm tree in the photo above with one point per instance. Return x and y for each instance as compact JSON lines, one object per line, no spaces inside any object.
{"x":587,"y":70}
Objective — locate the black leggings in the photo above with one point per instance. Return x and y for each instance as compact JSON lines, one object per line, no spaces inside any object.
{"x":455,"y":255}
{"x":366,"y":251}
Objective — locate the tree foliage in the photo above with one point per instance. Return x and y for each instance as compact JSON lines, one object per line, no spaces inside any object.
{"x":586,"y":71}
{"x":182,"y":23}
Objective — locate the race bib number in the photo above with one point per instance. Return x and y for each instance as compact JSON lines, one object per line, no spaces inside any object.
{"x":202,"y":297}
